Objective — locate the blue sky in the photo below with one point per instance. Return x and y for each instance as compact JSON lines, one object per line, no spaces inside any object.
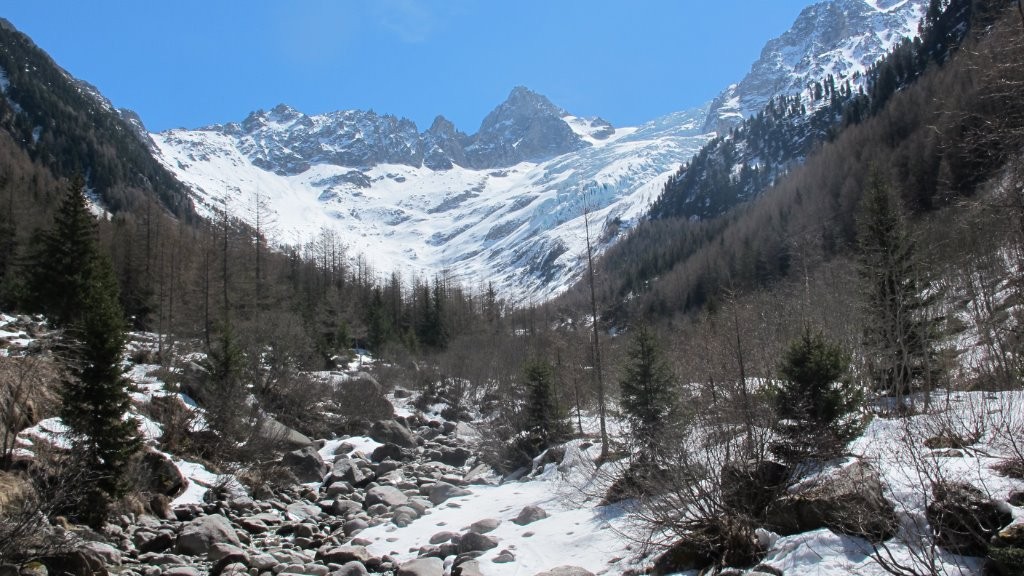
{"x":190,"y":63}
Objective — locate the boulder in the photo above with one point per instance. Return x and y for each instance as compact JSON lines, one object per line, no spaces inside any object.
{"x":306,"y":464}
{"x":386,"y":452}
{"x":159,"y":475}
{"x":362,"y":397}
{"x":391,"y":432}
{"x":198,"y":536}
{"x":442,"y":491}
{"x":529,"y":515}
{"x":473,"y":542}
{"x":276,"y":432}
{"x":456,"y":457}
{"x":504,"y":557}
{"x":422,"y":567}
{"x":964,"y":519}
{"x":352,"y":568}
{"x":345,"y":554}
{"x":80,"y":562}
{"x":387,"y":495}
{"x":467,"y":568}
{"x":484,"y":526}
{"x":848,"y":500}
{"x":348,"y":470}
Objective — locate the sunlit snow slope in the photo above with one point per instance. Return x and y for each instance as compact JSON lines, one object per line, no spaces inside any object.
{"x":520,"y":227}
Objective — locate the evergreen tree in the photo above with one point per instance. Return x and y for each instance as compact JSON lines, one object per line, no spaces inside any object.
{"x":82,"y":297}
{"x":814,"y":403}
{"x":545,"y":423}
{"x":224,"y":394}
{"x":646,"y":389}
{"x":900,"y":330}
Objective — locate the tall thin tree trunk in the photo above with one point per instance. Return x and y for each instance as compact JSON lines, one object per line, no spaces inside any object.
{"x":597,"y":337}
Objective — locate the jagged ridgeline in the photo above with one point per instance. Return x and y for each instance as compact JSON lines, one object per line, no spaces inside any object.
{"x":67,"y":126}
{"x":737,"y":166}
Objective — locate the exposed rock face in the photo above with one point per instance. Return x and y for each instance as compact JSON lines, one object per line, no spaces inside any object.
{"x":443,"y":145}
{"x":839,"y":37}
{"x":286,"y":141}
{"x":527,"y":126}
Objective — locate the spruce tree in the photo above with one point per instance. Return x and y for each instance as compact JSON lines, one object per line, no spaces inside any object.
{"x":545,"y":423}
{"x":646,"y":389}
{"x":80,"y":295}
{"x":815,"y":404}
{"x":900,"y":329}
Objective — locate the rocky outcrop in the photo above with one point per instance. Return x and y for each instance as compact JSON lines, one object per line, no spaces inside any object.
{"x":847,"y":500}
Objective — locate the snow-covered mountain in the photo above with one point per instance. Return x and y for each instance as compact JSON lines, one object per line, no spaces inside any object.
{"x":838,"y":37}
{"x":506,"y":204}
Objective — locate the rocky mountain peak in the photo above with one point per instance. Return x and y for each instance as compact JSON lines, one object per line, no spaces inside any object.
{"x":833,"y":37}
{"x":526,"y":126}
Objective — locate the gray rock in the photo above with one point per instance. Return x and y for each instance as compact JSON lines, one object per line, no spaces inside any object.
{"x":467,"y":568}
{"x":109,"y":555}
{"x":442,"y":491}
{"x":276,"y":432}
{"x":473,"y":542}
{"x":354,"y":526}
{"x":348,"y":470}
{"x":388,"y":495}
{"x":504,"y":557}
{"x":529,"y":515}
{"x":222,"y":550}
{"x":159,"y":475}
{"x":442,"y":537}
{"x":384,"y":452}
{"x":422,"y":567}
{"x":484,"y":526}
{"x":403,"y":516}
{"x":198,"y":536}
{"x":306,"y":464}
{"x":345,"y":554}
{"x":299,"y":511}
{"x":390,"y":431}
{"x":849,"y":501}
{"x":351,"y":569}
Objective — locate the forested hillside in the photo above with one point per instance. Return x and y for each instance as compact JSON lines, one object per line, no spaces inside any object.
{"x":909,"y":125}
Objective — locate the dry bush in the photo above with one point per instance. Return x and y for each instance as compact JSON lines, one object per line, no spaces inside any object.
{"x":28,"y":393}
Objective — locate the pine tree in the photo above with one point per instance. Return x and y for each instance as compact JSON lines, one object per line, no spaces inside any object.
{"x":647,"y":393}
{"x":900,"y":330}
{"x":82,"y":297}
{"x":814,"y":404}
{"x":545,"y":423}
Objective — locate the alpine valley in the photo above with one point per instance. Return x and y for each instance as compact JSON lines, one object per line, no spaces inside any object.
{"x":511,"y":204}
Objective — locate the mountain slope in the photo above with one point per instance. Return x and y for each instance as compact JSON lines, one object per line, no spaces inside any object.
{"x":67,"y":125}
{"x":520,"y":227}
{"x":841,"y":38}
{"x":504,"y":204}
